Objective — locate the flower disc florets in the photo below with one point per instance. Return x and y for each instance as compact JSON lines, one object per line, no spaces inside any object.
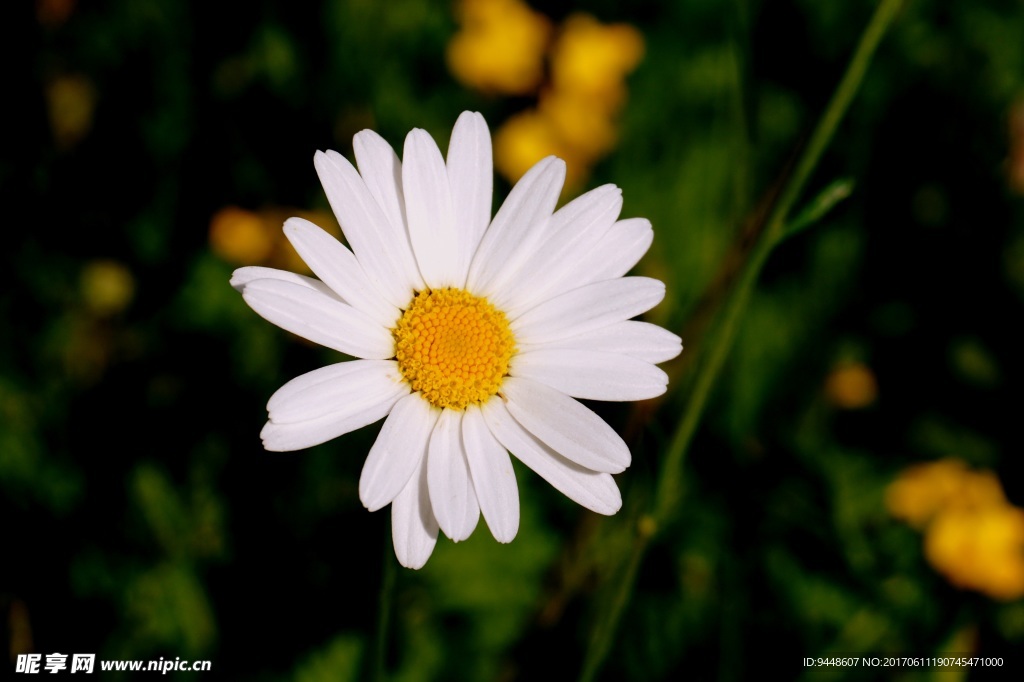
{"x":453,"y":347}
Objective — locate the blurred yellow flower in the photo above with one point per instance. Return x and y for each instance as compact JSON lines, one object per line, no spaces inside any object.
{"x":851,"y":386}
{"x":256,"y":237}
{"x":500,"y":47}
{"x":587,"y":129}
{"x":575,"y":114}
{"x":70,"y":100}
{"x":980,"y":548}
{"x":240,"y":236}
{"x":593,"y":59}
{"x":923,"y":490}
{"x":526,"y":138}
{"x":973,"y":536}
{"x":107,"y":287}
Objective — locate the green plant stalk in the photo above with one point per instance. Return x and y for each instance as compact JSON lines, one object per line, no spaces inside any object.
{"x":668,"y":482}
{"x":387,"y":591}
{"x":604,"y":629}
{"x":670,"y":486}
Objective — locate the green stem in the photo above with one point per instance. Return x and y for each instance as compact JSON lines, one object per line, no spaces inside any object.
{"x":387,"y":591}
{"x":604,"y":629}
{"x":670,"y":485}
{"x":834,"y":113}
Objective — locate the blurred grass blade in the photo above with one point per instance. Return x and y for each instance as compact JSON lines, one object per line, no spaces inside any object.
{"x":837,"y":191}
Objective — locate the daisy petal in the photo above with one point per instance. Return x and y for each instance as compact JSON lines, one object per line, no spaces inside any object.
{"x":452,"y":496}
{"x":333,"y":389}
{"x":588,"y":308}
{"x":595,"y":491}
{"x":338,"y":268}
{"x":470,"y":172}
{"x":366,"y":227}
{"x":581,"y":221}
{"x":320,"y":318}
{"x":620,"y":249}
{"x":242,"y":277}
{"x":591,"y":375}
{"x":566,"y":426}
{"x":517,"y":228}
{"x":641,"y":340}
{"x":399,"y":449}
{"x":494,"y":479}
{"x":296,"y":436}
{"x":428,"y":205}
{"x":382,"y":172}
{"x":413,"y":526}
{"x":613,"y":255}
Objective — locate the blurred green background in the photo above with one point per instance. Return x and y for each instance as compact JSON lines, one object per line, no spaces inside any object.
{"x":151,"y":143}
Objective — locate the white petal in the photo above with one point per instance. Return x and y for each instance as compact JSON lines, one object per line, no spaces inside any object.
{"x":334,"y":388}
{"x":566,"y":426}
{"x":592,"y":375}
{"x":284,"y":437}
{"x":517,"y":228}
{"x":470,"y":175}
{"x":319,"y":318}
{"x":572,"y":228}
{"x":641,"y":340}
{"x":413,"y":526}
{"x":452,"y":496}
{"x":494,"y":479}
{"x":613,"y":255}
{"x":588,"y":308}
{"x":366,"y":228}
{"x":338,"y":268}
{"x":428,"y":207}
{"x":382,"y":172}
{"x":621,"y":248}
{"x":399,"y":449}
{"x":243,"y":276}
{"x":595,"y":491}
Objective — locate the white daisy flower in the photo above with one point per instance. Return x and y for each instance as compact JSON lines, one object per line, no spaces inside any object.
{"x":473,"y":336}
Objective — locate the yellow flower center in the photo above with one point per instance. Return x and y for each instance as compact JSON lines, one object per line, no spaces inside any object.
{"x":453,"y":347}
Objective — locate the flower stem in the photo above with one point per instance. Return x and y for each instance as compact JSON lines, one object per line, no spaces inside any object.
{"x":669,"y":489}
{"x":604,"y":628}
{"x":669,"y":482}
{"x":387,"y":591}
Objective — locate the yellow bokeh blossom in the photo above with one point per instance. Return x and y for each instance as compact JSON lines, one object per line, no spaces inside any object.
{"x":70,"y":100}
{"x":593,"y":59}
{"x":240,"y":236}
{"x":923,"y":490}
{"x":973,"y":535}
{"x":575,"y":117}
{"x":243,"y":237}
{"x":980,"y":548}
{"x":500,"y":46}
{"x":526,"y":138}
{"x":588,"y":130}
{"x":851,"y":386}
{"x":107,"y":287}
